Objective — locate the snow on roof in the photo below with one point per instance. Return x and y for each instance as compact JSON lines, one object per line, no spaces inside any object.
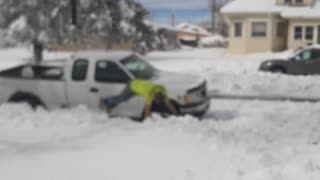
{"x":158,"y":26}
{"x":250,"y":6}
{"x":302,"y":12}
{"x":192,"y":28}
{"x":270,"y":6}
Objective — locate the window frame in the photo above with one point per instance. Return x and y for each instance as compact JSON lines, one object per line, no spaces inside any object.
{"x":111,"y":81}
{"x":235,"y":34}
{"x":306,"y":33}
{"x":252,"y":33}
{"x":294,"y":32}
{"x":73,"y":70}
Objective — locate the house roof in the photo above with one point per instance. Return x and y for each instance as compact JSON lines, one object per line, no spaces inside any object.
{"x":270,"y":7}
{"x":192,"y":28}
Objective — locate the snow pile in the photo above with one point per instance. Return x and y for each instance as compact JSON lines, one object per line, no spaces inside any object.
{"x":237,"y":140}
{"x":213,"y":41}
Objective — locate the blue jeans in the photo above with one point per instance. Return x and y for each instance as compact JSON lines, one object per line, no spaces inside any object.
{"x":112,"y":102}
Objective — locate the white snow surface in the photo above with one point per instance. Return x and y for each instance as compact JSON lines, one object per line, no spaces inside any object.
{"x":249,"y":140}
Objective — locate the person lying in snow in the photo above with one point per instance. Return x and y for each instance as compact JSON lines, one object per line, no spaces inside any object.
{"x":151,"y":93}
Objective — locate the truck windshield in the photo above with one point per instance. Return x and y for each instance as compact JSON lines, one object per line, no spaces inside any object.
{"x":139,"y":68}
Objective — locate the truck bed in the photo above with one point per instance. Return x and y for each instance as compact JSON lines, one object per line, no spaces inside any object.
{"x":37,"y":80}
{"x":39,"y":72}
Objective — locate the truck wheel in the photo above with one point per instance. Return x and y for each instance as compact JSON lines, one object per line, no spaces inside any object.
{"x":278,"y":70}
{"x":30,"y":99}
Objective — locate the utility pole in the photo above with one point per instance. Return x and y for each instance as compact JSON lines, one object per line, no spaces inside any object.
{"x":213,"y":18}
{"x":74,"y":12}
{"x":173,"y":19}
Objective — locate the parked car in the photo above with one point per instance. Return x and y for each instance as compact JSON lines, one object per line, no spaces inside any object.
{"x":303,"y":62}
{"x":89,"y":76}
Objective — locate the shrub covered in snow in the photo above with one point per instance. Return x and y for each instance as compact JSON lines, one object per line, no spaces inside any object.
{"x":213,"y":41}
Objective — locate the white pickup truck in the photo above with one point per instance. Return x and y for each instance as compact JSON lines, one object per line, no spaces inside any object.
{"x":88,"y":76}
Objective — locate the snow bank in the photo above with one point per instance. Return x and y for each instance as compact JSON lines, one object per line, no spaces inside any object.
{"x":213,"y":41}
{"x":237,"y":140}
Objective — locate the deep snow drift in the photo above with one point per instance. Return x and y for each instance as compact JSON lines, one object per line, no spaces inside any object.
{"x":237,"y":140}
{"x":238,"y":75}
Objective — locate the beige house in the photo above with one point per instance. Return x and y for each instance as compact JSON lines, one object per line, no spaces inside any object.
{"x":272,"y":25}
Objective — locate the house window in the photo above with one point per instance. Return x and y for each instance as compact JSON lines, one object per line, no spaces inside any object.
{"x":298,"y":33}
{"x":259,"y":29}
{"x":291,"y":2}
{"x":237,"y":29}
{"x":309,"y":33}
{"x":281,"y":27}
{"x":288,"y":1}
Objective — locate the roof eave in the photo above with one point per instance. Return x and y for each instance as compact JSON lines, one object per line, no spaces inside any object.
{"x":249,"y":13}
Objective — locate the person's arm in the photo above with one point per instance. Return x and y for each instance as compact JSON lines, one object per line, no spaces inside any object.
{"x":171,"y":107}
{"x":147,"y":111}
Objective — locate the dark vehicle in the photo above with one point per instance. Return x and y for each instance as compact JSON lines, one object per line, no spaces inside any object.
{"x":304,"y":62}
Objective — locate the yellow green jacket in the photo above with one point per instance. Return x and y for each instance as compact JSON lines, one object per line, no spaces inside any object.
{"x":147,"y":90}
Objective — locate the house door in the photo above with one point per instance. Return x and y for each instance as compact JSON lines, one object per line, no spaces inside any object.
{"x":318,"y":34}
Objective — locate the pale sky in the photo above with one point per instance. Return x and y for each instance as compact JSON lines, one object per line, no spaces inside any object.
{"x":175,"y":4}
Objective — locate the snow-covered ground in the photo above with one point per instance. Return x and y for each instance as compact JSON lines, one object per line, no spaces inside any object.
{"x":238,"y":75}
{"x":237,"y":140}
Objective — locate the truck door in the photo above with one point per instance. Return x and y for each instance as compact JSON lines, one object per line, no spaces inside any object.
{"x":77,"y":83}
{"x":110,"y":80}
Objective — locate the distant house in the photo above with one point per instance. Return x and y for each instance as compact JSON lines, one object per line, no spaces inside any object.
{"x":272,"y":25}
{"x":190,"y":34}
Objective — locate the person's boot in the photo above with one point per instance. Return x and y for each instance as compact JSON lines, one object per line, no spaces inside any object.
{"x":107,"y":103}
